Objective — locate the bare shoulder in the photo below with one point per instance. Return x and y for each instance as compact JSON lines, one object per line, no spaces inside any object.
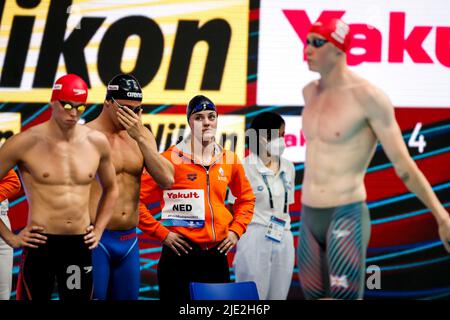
{"x":97,"y":138}
{"x":93,"y":125}
{"x":372,"y":98}
{"x":310,"y":90}
{"x":28,"y":138}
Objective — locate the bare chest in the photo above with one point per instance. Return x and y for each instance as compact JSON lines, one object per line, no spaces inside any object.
{"x":332,"y":118}
{"x":126,"y":155}
{"x":61,"y":163}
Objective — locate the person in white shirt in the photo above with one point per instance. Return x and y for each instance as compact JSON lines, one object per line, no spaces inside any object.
{"x":265,"y":253}
{"x":9,"y":186}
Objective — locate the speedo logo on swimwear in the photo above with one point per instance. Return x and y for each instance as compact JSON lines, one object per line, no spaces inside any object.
{"x":183,"y":195}
{"x":134,"y":95}
{"x":192,"y":176}
{"x":341,"y":233}
{"x":337,"y":281}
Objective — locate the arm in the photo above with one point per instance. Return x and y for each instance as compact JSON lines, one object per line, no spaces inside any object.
{"x":231,"y":199}
{"x":243,"y":206}
{"x":158,"y":167}
{"x":149,"y":225}
{"x":309,"y":90}
{"x":29,"y":236}
{"x":9,"y":185}
{"x":381,"y":118}
{"x":11,"y":151}
{"x":107,"y":177}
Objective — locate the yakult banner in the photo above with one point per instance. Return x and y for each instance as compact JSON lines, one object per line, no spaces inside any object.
{"x":401,"y":46}
{"x":295,"y":139}
{"x":175,"y":48}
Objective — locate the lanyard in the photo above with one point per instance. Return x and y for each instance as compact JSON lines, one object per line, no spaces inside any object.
{"x":266,"y":182}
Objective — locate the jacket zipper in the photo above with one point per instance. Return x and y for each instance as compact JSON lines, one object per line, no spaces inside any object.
{"x":209,"y":202}
{"x":209,"y":198}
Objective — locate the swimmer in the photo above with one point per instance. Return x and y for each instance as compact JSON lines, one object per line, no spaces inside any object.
{"x":57,"y":161}
{"x":343,"y":119}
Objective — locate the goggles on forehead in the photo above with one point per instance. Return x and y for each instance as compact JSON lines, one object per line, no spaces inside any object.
{"x":203,"y":106}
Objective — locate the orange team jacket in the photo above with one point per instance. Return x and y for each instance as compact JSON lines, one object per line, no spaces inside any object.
{"x":9,"y":185}
{"x":226,"y":171}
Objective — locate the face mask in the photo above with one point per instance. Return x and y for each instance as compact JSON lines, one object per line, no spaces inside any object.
{"x":276,"y":147}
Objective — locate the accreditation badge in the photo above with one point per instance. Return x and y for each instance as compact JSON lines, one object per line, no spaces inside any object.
{"x":275,"y":229}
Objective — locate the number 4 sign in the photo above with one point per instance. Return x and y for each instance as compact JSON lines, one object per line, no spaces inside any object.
{"x":416,"y":141}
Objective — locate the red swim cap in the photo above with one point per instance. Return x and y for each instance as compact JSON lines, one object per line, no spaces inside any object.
{"x":334,"y":30}
{"x":70,"y":88}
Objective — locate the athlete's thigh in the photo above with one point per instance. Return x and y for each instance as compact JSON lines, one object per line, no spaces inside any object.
{"x":74,"y":275}
{"x":346,"y":252}
{"x":126,"y":277}
{"x":101,"y":270}
{"x":36,"y":278}
{"x":311,"y":264}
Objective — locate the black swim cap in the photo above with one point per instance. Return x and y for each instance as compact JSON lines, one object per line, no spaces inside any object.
{"x":199,"y":103}
{"x":125,"y":87}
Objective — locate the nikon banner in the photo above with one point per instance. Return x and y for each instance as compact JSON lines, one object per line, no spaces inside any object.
{"x":168,"y":129}
{"x":9,"y":125}
{"x":176,"y":49}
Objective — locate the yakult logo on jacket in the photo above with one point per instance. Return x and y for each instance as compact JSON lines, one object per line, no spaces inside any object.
{"x":181,"y":195}
{"x":370,"y":38}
